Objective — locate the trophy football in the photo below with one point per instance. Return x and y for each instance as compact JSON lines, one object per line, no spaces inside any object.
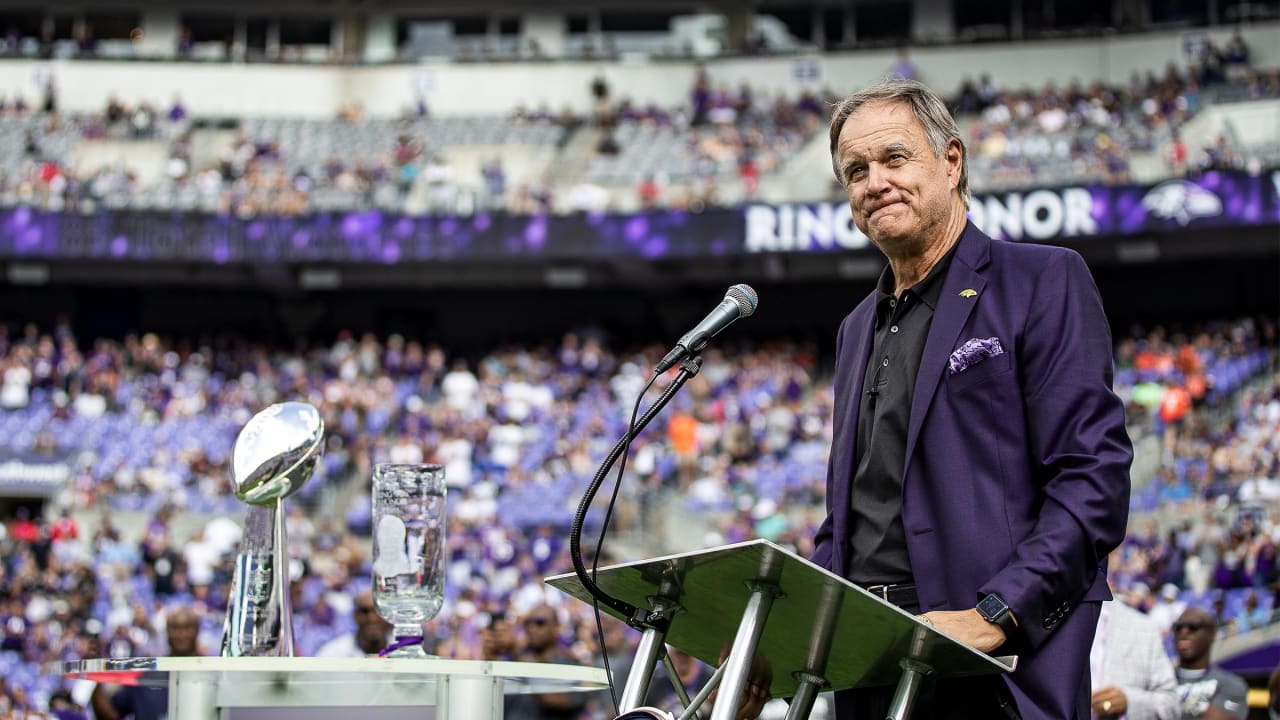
{"x":274,"y":456}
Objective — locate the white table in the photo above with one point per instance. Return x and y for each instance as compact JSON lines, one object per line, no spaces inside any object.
{"x":208,"y":688}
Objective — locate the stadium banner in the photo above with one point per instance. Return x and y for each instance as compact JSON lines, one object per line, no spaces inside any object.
{"x":1211,"y":200}
{"x":34,"y":474}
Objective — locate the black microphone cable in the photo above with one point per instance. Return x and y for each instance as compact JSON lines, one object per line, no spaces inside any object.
{"x":688,"y":369}
{"x":740,"y":301}
{"x":635,"y":617}
{"x":604,"y":526}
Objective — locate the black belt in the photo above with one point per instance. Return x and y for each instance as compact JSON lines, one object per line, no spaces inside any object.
{"x":898,"y":594}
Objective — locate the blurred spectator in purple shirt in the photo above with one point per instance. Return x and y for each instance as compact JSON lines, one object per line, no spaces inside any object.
{"x":904,"y":67}
{"x":177,"y":111}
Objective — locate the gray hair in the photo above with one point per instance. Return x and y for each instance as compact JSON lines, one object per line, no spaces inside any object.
{"x":924,"y":103}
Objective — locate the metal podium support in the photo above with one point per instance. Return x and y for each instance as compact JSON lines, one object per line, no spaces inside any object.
{"x":741,"y":654}
{"x":781,"y":620}
{"x":914,"y":669}
{"x":648,"y":654}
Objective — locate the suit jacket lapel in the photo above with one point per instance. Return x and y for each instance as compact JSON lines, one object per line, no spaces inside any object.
{"x":949,"y":318}
{"x":858,"y":351}
{"x":862,"y":331}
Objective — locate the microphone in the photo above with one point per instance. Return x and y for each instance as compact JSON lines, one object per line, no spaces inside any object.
{"x":739,"y":301}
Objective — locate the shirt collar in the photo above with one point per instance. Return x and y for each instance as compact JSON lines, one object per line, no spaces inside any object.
{"x":1190,"y":674}
{"x":928,"y":290}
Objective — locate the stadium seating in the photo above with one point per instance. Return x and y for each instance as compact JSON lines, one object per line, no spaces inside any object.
{"x":146,"y":425}
{"x":149,"y":431}
{"x":713,"y":150}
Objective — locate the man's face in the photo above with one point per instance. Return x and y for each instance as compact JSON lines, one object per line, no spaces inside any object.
{"x":371,"y":629}
{"x":497,"y":640}
{"x":899,"y":191}
{"x":1193,"y":636}
{"x":615,"y":635}
{"x":183,"y":632}
{"x":540,"y":628}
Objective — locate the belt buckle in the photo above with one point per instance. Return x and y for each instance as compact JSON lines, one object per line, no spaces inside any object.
{"x":881,"y":591}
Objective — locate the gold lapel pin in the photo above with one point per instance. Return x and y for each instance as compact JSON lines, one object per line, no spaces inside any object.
{"x":968,"y":293}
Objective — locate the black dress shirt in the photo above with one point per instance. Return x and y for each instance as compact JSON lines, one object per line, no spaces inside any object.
{"x":879,"y":544}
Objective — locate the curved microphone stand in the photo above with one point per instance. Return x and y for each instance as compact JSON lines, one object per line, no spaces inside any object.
{"x":654,"y":622}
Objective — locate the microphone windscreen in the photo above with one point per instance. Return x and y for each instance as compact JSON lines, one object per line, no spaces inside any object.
{"x":745,"y":297}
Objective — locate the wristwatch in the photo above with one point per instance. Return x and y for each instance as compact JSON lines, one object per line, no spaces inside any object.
{"x":994,"y":610}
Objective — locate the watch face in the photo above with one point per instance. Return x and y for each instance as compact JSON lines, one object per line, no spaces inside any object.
{"x":991,"y":607}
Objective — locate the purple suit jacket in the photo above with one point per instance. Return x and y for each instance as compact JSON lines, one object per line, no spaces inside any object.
{"x":1017,"y":468}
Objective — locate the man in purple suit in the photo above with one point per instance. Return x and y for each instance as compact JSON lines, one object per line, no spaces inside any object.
{"x":979,"y":472}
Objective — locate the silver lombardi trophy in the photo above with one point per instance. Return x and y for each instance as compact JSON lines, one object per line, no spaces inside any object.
{"x":274,"y":456}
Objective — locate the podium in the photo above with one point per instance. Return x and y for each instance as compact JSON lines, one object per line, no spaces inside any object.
{"x":209,"y":688}
{"x":776,"y":613}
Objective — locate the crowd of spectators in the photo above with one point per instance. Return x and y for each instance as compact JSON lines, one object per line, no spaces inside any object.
{"x":1211,"y":402}
{"x":147,"y":425}
{"x":1160,"y":373}
{"x":716,"y":148}
{"x":1091,"y":133}
{"x":520,"y":424}
{"x":38,"y":146}
{"x":682,"y":156}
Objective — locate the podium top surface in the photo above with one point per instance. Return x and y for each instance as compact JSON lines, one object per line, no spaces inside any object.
{"x":520,"y":677}
{"x":819,"y":622}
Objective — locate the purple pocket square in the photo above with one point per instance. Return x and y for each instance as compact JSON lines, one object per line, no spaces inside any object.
{"x":973,"y":352}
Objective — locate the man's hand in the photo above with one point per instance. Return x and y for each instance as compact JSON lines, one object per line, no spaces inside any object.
{"x":1109,"y":701}
{"x":756,"y":693}
{"x":754,"y":698}
{"x":968,"y":627}
{"x":751,"y":703}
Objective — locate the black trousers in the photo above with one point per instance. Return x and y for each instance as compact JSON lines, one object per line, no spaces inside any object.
{"x":977,"y":698}
{"x":981,"y":698}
